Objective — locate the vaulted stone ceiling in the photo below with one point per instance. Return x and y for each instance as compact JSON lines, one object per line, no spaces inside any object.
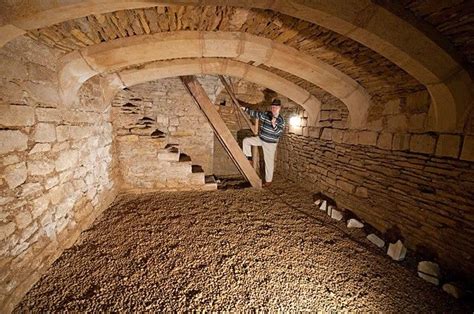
{"x":452,"y":18}
{"x":380,"y":77}
{"x":386,"y":49}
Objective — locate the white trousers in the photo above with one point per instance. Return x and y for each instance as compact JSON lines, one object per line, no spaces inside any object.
{"x":269,"y":150}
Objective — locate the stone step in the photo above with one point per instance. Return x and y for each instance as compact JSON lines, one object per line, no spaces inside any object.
{"x":172,"y":147}
{"x":158,"y":134}
{"x":166,"y":155}
{"x":171,"y":152}
{"x":169,"y":145}
{"x":197,"y":178}
{"x":209,"y":187}
{"x":397,"y":251}
{"x":210,"y":179}
{"x":184,"y":158}
{"x":197,"y":169}
{"x":210,"y":183}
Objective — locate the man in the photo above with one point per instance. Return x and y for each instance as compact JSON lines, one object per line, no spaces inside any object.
{"x":271,"y":129}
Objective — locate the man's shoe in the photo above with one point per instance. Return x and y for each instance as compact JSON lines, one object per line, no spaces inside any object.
{"x":267,"y":184}
{"x":249,"y":159}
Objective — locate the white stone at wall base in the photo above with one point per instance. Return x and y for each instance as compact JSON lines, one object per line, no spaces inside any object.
{"x":376,"y":240}
{"x":453,"y":289}
{"x":397,"y":251}
{"x":323,"y":206}
{"x":336,"y":214}
{"x":354,"y":223}
{"x":429,"y":271}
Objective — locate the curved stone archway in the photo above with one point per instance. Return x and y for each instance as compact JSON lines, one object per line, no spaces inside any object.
{"x":79,"y":66}
{"x":214,"y":66}
{"x":364,"y":21}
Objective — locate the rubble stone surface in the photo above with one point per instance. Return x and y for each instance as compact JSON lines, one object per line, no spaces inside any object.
{"x":246,"y":249}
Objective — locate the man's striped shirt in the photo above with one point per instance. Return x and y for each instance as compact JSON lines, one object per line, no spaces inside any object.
{"x":268,"y":133}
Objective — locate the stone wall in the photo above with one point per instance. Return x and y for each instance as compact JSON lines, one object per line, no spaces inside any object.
{"x":149,"y":116}
{"x":55,"y":165}
{"x":421,"y":184}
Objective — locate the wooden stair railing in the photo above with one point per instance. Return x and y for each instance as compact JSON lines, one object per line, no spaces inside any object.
{"x":220,"y":130}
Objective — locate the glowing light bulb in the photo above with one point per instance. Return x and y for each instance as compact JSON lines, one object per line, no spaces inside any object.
{"x":295,"y":121}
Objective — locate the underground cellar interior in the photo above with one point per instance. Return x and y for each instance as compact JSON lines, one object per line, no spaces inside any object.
{"x":124,"y":183}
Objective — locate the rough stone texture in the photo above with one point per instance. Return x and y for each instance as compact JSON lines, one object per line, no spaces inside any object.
{"x":448,"y":146}
{"x":67,"y":159}
{"x":468,"y":148}
{"x":40,"y":167}
{"x":422,"y":143}
{"x":401,"y":142}
{"x":14,"y":115}
{"x":367,"y":138}
{"x":12,"y":140}
{"x":47,"y":197}
{"x":45,"y":132}
{"x":15,"y":175}
{"x":428,"y":199}
{"x":149,"y":116}
{"x":384,"y":141}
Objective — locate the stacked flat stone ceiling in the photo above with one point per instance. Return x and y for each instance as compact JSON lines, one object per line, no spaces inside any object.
{"x":382,"y":79}
{"x":454,"y":19}
{"x":322,"y":95}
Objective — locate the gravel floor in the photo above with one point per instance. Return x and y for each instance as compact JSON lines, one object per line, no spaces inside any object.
{"x":228,"y":250}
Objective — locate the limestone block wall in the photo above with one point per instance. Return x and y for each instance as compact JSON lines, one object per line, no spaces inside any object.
{"x":147,"y":117}
{"x":395,"y":177}
{"x":55,"y":165}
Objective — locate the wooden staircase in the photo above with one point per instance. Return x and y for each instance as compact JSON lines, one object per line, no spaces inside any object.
{"x":221,"y":131}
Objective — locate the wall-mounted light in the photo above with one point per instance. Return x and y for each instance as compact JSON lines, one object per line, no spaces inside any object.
{"x":295,"y":121}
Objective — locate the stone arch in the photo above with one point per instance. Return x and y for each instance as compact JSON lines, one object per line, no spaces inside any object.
{"x":213,"y":66}
{"x":364,"y":21}
{"x":80,"y":65}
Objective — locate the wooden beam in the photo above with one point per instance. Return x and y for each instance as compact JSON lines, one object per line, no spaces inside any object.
{"x":220,"y":129}
{"x":236,"y":104}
